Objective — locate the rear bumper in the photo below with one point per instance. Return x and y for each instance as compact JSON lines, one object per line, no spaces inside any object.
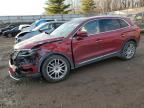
{"x":18,"y":74}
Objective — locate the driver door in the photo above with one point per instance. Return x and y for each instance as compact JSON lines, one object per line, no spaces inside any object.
{"x":88,"y":47}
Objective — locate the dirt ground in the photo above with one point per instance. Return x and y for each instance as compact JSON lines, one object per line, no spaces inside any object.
{"x":112,"y":83}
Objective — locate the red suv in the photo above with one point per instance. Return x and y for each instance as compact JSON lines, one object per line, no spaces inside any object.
{"x":76,"y":43}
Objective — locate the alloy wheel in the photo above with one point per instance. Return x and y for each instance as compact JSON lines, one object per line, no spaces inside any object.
{"x":57,"y":69}
{"x":130,"y":51}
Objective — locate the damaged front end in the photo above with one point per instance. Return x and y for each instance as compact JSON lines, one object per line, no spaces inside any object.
{"x":23,"y":63}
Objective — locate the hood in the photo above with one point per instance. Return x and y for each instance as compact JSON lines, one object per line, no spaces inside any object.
{"x":37,"y":40}
{"x":21,"y":34}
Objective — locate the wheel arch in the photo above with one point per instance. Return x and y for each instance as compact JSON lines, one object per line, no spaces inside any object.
{"x":133,"y":40}
{"x":128,"y":40}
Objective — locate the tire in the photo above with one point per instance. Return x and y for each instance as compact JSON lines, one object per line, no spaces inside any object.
{"x":55,"y":68}
{"x":9,"y":35}
{"x":128,"y":51}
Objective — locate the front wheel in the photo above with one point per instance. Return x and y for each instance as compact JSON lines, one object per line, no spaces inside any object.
{"x":9,"y":35}
{"x":128,"y":51}
{"x":55,"y":68}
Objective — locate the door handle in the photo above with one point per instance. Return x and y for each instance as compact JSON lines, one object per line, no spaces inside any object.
{"x":99,"y":40}
{"x":123,"y":35}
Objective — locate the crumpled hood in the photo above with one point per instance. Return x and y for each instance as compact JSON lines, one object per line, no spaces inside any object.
{"x":36,"y":40}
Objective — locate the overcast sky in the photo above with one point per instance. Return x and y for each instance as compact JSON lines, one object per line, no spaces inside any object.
{"x":21,"y":7}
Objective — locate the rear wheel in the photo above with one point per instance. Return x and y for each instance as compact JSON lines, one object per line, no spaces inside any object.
{"x":55,"y":68}
{"x":129,"y":50}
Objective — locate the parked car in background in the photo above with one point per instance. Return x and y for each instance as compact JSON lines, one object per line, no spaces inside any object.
{"x":23,"y":26}
{"x":11,"y":32}
{"x":7,"y":28}
{"x":47,"y":27}
{"x":32,"y":26}
{"x":35,"y":24}
{"x":74,"y":44}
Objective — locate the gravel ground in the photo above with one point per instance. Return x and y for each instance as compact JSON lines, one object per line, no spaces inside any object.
{"x":112,"y":83}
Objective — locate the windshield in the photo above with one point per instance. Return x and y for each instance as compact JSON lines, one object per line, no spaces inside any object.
{"x":15,"y":28}
{"x":65,"y":29}
{"x":31,"y":27}
{"x":42,"y":26}
{"x":35,"y":24}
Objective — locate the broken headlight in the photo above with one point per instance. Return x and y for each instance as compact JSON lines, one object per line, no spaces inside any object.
{"x":26,"y":52}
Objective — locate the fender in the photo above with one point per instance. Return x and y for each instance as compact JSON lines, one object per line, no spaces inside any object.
{"x":130,"y":39}
{"x":53,"y":53}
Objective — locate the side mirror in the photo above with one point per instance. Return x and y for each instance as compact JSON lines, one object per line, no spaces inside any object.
{"x":82,"y":34}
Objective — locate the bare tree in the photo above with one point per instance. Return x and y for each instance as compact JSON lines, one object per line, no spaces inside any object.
{"x":109,"y":5}
{"x":103,"y":6}
{"x":141,"y":2}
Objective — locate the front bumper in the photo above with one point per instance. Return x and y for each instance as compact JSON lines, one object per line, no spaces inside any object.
{"x":17,"y":74}
{"x":18,"y":70}
{"x":12,"y":72}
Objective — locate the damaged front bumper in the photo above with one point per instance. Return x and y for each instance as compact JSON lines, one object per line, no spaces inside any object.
{"x":12,"y":72}
{"x":21,"y":66}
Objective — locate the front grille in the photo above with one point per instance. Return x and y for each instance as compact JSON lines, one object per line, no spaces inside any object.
{"x":21,"y":60}
{"x":12,"y":58}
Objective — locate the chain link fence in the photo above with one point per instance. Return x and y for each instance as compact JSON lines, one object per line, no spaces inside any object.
{"x":5,"y":20}
{"x":16,"y":19}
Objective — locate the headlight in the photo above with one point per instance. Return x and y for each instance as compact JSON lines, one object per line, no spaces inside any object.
{"x":17,"y":40}
{"x":27,"y":52}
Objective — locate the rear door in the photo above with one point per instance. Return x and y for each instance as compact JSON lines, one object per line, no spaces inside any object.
{"x":112,"y":35}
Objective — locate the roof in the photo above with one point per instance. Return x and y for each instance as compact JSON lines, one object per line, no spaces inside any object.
{"x":56,"y":22}
{"x":102,"y":16}
{"x":108,"y":16}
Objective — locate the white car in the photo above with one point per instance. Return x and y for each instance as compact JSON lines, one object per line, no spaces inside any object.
{"x":21,"y":27}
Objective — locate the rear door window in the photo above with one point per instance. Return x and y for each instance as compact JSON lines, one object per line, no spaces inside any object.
{"x":109,"y":25}
{"x":123,"y":23}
